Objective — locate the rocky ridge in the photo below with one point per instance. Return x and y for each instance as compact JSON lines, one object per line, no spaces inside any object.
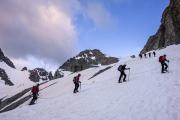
{"x":169,"y":30}
{"x":5,"y":59}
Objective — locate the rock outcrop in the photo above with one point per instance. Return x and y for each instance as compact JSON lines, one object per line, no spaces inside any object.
{"x":169,"y":31}
{"x":50,"y":76}
{"x":24,"y":69}
{"x":38,"y":74}
{"x":58,"y":74}
{"x":5,"y":78}
{"x":87,"y":59}
{"x":6,"y":59}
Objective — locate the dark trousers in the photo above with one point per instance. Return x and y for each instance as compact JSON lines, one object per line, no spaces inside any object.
{"x":122,"y":74}
{"x":76,"y":87}
{"x":33,"y":99}
{"x":164,"y":67}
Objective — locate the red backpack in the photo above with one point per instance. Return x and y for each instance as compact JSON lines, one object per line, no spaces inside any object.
{"x":161,"y":59}
{"x":34,"y":89}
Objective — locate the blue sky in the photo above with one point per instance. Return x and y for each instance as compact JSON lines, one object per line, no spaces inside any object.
{"x":45,"y":33}
{"x":135,"y":21}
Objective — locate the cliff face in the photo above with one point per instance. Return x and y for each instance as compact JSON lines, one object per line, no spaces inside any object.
{"x":169,"y":30}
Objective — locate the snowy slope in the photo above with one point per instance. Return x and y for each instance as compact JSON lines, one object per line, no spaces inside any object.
{"x":148,"y":95}
{"x":19,"y":78}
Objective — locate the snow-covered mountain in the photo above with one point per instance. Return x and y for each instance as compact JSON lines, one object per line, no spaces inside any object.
{"x":12,"y":80}
{"x":19,"y":79}
{"x":9,"y":75}
{"x":87,"y":59}
{"x":148,"y":95}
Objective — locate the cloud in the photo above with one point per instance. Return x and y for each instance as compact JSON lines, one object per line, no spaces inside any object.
{"x":46,"y":30}
{"x":41,"y":63}
{"x":40,"y":28}
{"x":100,"y":15}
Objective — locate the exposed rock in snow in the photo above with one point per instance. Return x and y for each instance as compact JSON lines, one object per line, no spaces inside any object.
{"x":4,"y":76}
{"x":6,"y":59}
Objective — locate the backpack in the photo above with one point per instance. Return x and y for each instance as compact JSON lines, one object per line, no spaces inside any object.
{"x":161,"y":59}
{"x":34,"y":89}
{"x":74,"y":79}
{"x":120,"y":68}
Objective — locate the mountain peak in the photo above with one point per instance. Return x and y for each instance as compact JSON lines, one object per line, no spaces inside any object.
{"x":86,"y":59}
{"x":1,"y":53}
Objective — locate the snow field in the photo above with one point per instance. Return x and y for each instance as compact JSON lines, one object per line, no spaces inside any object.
{"x":148,"y":95}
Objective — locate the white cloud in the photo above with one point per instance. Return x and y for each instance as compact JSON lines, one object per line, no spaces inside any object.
{"x":32,"y":62}
{"x":100,"y":15}
{"x":43,"y":29}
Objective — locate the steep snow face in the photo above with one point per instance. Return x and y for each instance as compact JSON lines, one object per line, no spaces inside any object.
{"x":19,"y":78}
{"x":148,"y":95}
{"x":16,"y":76}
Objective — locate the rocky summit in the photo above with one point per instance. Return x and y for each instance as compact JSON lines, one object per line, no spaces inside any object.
{"x":169,"y":30}
{"x":87,"y":59}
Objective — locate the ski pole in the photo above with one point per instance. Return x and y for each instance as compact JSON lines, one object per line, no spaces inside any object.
{"x":80,"y":86}
{"x":129,"y":75}
{"x":168,"y":66}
